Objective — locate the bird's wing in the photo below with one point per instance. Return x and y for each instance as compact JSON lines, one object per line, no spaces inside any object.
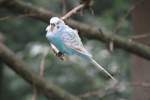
{"x":72,"y":40}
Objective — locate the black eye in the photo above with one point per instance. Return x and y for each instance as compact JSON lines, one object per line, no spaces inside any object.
{"x":52,"y":24}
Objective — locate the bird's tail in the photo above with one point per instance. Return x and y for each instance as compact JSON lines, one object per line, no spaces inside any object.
{"x":101,"y":68}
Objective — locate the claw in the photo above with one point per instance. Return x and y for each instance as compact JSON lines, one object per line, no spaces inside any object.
{"x":57,"y":53}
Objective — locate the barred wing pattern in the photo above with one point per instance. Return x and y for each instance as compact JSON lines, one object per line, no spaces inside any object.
{"x":72,"y":40}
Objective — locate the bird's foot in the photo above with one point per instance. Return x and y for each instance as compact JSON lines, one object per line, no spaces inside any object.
{"x":60,"y":55}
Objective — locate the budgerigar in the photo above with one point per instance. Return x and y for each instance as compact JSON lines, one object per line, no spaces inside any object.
{"x":68,"y":42}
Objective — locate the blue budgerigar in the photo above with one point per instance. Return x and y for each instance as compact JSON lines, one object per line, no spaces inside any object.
{"x":68,"y":42}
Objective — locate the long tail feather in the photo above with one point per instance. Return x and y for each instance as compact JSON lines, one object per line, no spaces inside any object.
{"x":101,"y":68}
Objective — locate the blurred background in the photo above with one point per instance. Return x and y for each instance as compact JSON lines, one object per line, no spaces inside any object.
{"x":26,"y":37}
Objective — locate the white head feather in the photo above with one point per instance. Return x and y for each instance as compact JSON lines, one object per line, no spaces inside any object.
{"x":56,"y":20}
{"x":55,"y":23}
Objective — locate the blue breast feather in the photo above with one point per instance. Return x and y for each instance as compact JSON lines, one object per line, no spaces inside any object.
{"x":56,"y":39}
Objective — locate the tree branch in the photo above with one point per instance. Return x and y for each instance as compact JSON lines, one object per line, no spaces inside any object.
{"x":73,"y":11}
{"x":85,"y":30}
{"x":41,"y":72}
{"x":49,"y":89}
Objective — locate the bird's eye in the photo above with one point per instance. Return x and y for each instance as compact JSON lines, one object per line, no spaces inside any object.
{"x":52,"y":24}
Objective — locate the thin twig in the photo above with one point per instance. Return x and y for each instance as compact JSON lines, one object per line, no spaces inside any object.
{"x":121,"y":20}
{"x":101,"y":92}
{"x":42,"y":67}
{"x":111,"y":46}
{"x":73,"y":11}
{"x":140,"y":36}
{"x":107,"y":91}
{"x":34,"y":97}
{"x":141,"y":84}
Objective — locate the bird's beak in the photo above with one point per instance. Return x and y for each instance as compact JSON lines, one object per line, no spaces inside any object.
{"x":47,"y":28}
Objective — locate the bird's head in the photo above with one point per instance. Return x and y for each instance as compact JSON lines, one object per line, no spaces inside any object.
{"x":55,"y":24}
